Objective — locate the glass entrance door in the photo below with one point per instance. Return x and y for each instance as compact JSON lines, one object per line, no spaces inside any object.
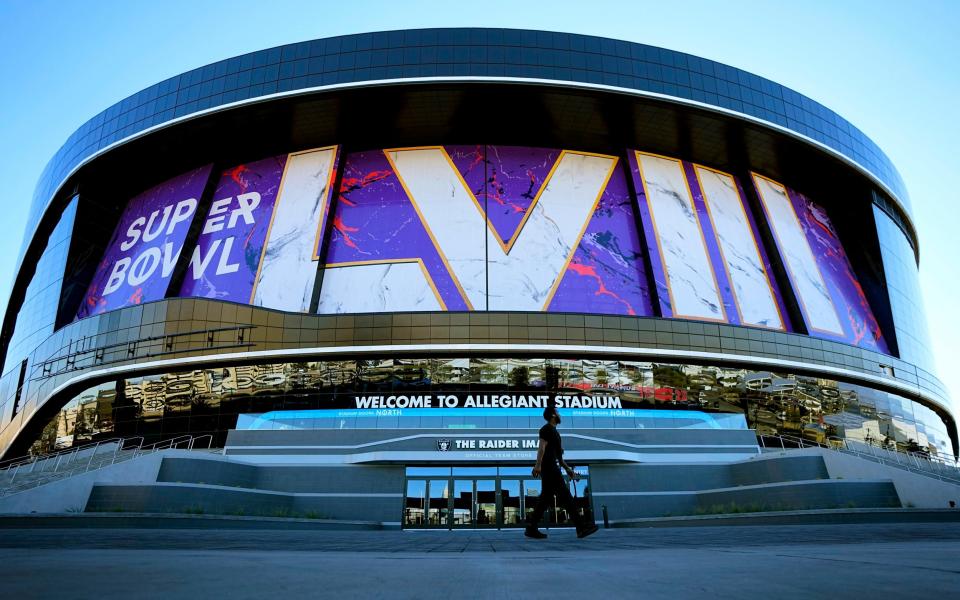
{"x":487,"y":497}
{"x":581,"y":496}
{"x":438,"y":506}
{"x":487,"y":511}
{"x":415,"y":503}
{"x":464,"y":506}
{"x":531,"y":494}
{"x":511,"y":511}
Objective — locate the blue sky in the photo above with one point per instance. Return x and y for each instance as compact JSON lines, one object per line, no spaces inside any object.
{"x":891,"y":68}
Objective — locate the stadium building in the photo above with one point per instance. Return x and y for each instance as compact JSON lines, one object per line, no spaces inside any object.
{"x":378,"y":257}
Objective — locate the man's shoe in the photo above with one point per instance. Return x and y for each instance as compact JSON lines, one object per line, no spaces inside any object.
{"x":534,"y":533}
{"x":586,"y":530}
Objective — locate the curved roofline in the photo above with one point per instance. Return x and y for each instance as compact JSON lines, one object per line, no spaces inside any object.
{"x":574,"y":60}
{"x":482,"y":79}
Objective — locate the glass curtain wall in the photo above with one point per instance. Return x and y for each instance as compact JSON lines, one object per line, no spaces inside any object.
{"x":210,"y":400}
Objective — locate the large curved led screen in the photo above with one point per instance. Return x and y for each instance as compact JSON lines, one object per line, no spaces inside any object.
{"x":487,"y":227}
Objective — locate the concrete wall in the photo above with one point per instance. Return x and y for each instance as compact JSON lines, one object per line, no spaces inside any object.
{"x":781,"y":496}
{"x":643,"y":477}
{"x":915,"y":490}
{"x":216,"y":485}
{"x":782,"y":481}
{"x":207,"y":499}
{"x":344,"y":479}
{"x":71,"y":494}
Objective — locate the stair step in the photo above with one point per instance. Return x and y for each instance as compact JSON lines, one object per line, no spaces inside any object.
{"x":190,"y":498}
{"x":793,"y":495}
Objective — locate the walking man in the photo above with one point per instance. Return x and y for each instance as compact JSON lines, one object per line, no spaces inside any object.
{"x":549,"y":462}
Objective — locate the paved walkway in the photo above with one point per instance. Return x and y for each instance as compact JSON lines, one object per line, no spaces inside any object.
{"x":844,"y":561}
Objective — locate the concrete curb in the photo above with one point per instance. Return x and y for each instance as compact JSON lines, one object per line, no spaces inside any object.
{"x":173,"y":521}
{"x":802,"y":517}
{"x":187,"y":521}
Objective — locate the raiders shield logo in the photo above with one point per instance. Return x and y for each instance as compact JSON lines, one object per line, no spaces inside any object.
{"x":443,"y":445}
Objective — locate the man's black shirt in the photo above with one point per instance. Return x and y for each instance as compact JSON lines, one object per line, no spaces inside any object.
{"x":553,"y":453}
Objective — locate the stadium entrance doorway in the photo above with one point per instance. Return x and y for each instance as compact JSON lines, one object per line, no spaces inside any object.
{"x":481,"y":498}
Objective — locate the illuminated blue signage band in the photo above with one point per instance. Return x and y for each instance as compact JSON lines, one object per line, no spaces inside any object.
{"x":494,"y":418}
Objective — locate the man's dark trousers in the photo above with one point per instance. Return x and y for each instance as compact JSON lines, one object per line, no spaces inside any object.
{"x":553,"y":485}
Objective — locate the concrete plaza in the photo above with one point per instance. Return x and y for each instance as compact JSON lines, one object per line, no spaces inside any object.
{"x":841,"y":561}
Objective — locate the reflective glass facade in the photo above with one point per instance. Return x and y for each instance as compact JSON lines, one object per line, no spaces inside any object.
{"x":37,"y":315}
{"x":210,"y":400}
{"x":38,"y":312}
{"x":903,"y":288}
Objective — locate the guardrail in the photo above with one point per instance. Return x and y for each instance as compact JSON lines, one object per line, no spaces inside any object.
{"x":19,"y":474}
{"x":77,"y":355}
{"x":29,"y":464}
{"x":910,"y":461}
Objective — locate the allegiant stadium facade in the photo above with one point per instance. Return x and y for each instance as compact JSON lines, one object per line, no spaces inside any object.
{"x":443,"y":231}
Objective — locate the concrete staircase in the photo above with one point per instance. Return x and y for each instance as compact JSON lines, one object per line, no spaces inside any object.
{"x":295,"y":482}
{"x":914,"y":462}
{"x":216,"y":485}
{"x":764,"y":483}
{"x":29,"y":472}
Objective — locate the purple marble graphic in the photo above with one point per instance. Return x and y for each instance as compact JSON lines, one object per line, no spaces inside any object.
{"x":471,"y":162}
{"x":324,"y":218}
{"x":713,"y":249}
{"x":504,"y":179}
{"x":650,"y":236}
{"x":606,"y":274}
{"x":859,"y":324}
{"x":716,"y":257}
{"x":374,"y":221}
{"x":777,"y":294}
{"x":140,"y":257}
{"x":225,"y":264}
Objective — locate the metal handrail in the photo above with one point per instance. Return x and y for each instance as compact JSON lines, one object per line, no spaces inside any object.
{"x":207,"y":436}
{"x":132,"y":349}
{"x":892,"y":457}
{"x":836,"y":441}
{"x":29,"y":458}
{"x":165,"y":444}
{"x":125,"y":450}
{"x":44,"y":459}
{"x":918,"y":458}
